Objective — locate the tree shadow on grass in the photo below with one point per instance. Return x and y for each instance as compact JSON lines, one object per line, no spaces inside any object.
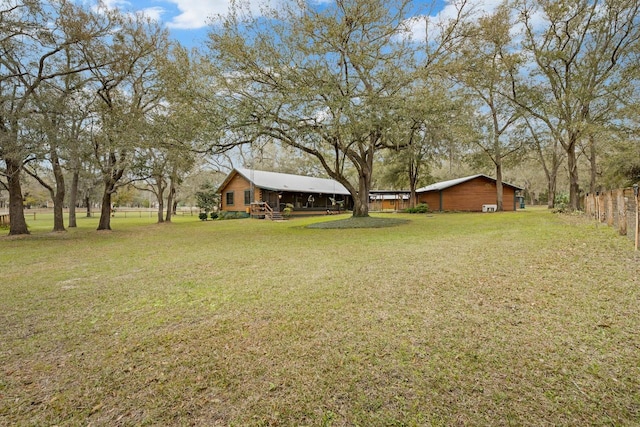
{"x":359,"y":222}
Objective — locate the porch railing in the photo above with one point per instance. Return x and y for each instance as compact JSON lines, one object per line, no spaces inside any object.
{"x":261,"y":209}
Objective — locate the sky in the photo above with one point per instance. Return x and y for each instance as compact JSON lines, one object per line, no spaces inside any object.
{"x":188,"y":20}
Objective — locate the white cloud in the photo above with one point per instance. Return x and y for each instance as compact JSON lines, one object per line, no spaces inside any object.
{"x":113,"y":4}
{"x":196,"y":14}
{"x":473,"y":9}
{"x":127,"y":6}
{"x":154,"y":13}
{"x":106,"y":4}
{"x":190,"y":15}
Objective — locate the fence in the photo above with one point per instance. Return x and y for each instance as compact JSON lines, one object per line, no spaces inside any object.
{"x":616,"y":208}
{"x":151,"y":213}
{"x":5,"y":219}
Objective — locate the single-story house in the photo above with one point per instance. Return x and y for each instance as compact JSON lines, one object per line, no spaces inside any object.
{"x":474,"y":193}
{"x":256,"y":192}
{"x":388,"y":200}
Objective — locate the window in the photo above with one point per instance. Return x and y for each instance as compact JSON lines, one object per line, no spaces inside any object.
{"x":247,"y":197}
{"x":229,"y":198}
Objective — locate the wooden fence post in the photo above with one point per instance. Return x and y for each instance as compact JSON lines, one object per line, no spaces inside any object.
{"x":610,"y":215}
{"x":635,"y":196}
{"x":622,"y":213}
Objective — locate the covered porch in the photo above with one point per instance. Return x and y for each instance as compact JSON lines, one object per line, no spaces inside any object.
{"x":301,"y":203}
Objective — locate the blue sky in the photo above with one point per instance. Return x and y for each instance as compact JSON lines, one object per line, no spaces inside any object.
{"x":188,"y":20}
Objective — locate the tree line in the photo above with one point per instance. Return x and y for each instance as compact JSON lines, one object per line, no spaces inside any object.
{"x":93,"y":97}
{"x":363,"y":88}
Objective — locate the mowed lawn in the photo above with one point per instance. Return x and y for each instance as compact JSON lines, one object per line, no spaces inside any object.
{"x":524,"y":318}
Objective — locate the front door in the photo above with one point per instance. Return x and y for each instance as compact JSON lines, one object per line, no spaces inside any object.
{"x":271,"y":197}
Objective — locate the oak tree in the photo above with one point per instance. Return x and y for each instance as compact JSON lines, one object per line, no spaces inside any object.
{"x":329,"y":81}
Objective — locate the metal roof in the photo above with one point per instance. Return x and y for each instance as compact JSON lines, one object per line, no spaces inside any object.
{"x":438,"y":186}
{"x":395,"y":196}
{"x":293,"y":183}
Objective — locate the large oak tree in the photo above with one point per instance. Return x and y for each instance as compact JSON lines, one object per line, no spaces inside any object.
{"x":330,"y":81}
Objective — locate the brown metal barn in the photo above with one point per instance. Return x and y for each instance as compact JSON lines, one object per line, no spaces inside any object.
{"x":476,"y":193}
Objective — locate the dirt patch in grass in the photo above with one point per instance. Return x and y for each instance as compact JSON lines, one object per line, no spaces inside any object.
{"x":362,"y":222}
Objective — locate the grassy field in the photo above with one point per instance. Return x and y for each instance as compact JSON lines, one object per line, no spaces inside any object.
{"x":523,"y":318}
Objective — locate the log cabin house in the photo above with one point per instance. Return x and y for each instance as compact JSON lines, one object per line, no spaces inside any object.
{"x":476,"y":193}
{"x":262,"y":194}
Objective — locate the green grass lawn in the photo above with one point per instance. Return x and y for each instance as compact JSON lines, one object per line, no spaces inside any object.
{"x":523,"y":318}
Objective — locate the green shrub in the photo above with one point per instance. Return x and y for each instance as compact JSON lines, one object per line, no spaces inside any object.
{"x":561,"y":203}
{"x":286,"y":212}
{"x":203,"y":216}
{"x":421,"y":208}
{"x":232,"y":215}
{"x":214,"y":215}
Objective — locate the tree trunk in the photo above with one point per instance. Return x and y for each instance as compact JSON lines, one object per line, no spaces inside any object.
{"x":111,"y":176}
{"x":361,"y":205}
{"x":87,"y":204}
{"x":593,"y":182}
{"x":170,"y":196}
{"x":58,"y":194}
{"x":160,"y":204}
{"x":574,"y":185}
{"x":18,"y":223}
{"x":58,"y":211}
{"x":413,"y":182}
{"x":550,"y":171}
{"x":105,"y":212}
{"x":73,"y":197}
{"x":413,"y":197}
{"x":551,"y":190}
{"x":361,"y":200}
{"x":160,"y":186}
{"x":499,"y":187}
